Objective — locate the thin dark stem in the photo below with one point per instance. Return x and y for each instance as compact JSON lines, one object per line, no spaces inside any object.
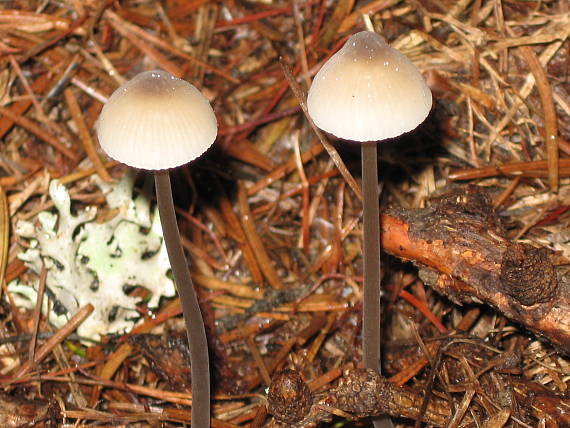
{"x":200,"y":367}
{"x":371,"y":309}
{"x":371,"y":334}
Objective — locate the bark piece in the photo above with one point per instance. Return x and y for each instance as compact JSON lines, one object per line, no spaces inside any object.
{"x":463,"y":254}
{"x":168,"y":357}
{"x":528,"y":275}
{"x":364,"y":392}
{"x":19,"y":412}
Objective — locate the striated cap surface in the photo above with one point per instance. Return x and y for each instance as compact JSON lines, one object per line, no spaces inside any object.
{"x":156,"y":121}
{"x":368,"y":91}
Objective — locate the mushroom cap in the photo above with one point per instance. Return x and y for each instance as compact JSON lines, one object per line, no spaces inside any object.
{"x":368,"y":91}
{"x":156,"y":121}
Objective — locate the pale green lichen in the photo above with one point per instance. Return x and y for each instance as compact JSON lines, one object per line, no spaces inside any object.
{"x":97,"y":263}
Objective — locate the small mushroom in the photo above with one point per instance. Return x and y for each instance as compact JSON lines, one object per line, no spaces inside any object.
{"x":369,"y":92}
{"x":156,"y":122}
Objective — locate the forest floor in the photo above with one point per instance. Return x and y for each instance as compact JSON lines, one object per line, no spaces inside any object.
{"x":475,"y":213}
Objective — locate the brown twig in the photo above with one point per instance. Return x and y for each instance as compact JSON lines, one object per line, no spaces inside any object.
{"x":35,"y":129}
{"x":57,"y":338}
{"x":465,"y":267}
{"x":37,"y":313}
{"x":84,"y":135}
{"x":326,"y":144}
{"x":4,"y":237}
{"x":235,"y":226}
{"x":287,"y":167}
{"x":528,"y":169}
{"x":549,"y":112}
{"x":254,"y":240}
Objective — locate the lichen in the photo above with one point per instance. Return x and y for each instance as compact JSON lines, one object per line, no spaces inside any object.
{"x":97,"y":263}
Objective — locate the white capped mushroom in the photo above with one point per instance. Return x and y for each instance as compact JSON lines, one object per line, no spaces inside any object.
{"x":368,"y":91}
{"x":156,"y":121}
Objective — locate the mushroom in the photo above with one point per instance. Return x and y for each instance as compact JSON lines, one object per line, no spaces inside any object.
{"x":156,"y":122}
{"x":369,"y":92}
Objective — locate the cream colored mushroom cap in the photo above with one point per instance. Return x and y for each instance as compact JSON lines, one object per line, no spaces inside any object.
{"x":156,"y":121}
{"x":368,"y":91}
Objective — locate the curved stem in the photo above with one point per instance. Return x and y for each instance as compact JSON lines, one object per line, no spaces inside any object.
{"x":371,"y":333}
{"x":200,"y":366}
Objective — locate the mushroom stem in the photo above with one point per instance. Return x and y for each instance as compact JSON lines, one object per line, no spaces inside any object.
{"x":200,"y":370}
{"x":371,"y":333}
{"x":371,"y":250}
